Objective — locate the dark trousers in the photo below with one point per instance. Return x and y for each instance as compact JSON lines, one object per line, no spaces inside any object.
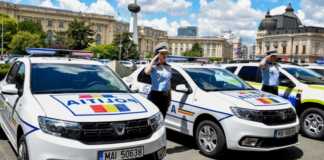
{"x":161,"y":100}
{"x":270,"y":89}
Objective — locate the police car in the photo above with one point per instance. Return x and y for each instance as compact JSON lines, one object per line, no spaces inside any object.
{"x":303,"y":87}
{"x":65,"y":108}
{"x":221,"y":111}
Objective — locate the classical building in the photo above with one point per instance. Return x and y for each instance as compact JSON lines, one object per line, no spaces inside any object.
{"x":149,"y":38}
{"x":188,"y":31}
{"x":212,"y":46}
{"x":54,"y":20}
{"x":293,"y":40}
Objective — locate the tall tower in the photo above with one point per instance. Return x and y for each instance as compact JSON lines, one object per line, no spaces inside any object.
{"x":134,"y":8}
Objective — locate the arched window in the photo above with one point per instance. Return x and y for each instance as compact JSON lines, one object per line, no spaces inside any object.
{"x":98,"y":39}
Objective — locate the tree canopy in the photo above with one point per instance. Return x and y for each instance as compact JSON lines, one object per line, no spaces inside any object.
{"x":9,"y":28}
{"x":128,"y":48}
{"x":196,"y":51}
{"x":23,"y":40}
{"x":105,"y":51}
{"x":80,"y":34}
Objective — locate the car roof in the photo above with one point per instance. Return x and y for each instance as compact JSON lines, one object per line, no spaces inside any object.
{"x":60,"y":60}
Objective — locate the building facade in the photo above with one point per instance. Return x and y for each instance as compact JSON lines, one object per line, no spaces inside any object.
{"x":188,"y":31}
{"x":212,"y":46}
{"x":56,"y":20}
{"x":287,"y":35}
{"x":148,"y":39}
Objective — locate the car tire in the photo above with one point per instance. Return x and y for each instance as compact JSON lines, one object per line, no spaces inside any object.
{"x":22,"y":149}
{"x":312,"y":123}
{"x":210,"y":139}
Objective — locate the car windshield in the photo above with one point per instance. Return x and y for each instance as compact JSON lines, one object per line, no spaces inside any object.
{"x":214,"y":79}
{"x":305,"y":75}
{"x":74,"y":78}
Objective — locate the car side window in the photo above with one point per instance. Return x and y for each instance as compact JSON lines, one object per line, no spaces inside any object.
{"x":20,"y":76}
{"x":144,"y":78}
{"x":250,"y":73}
{"x":177,"y":79}
{"x":231,"y":69}
{"x":12,"y":73}
{"x":284,"y":80}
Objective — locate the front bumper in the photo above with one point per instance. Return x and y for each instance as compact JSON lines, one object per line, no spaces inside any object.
{"x":236,"y":130}
{"x":42,"y":146}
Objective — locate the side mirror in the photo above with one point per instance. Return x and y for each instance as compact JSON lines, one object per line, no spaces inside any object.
{"x":133,"y":89}
{"x":9,"y":89}
{"x":182,"y":88}
{"x":287,"y":83}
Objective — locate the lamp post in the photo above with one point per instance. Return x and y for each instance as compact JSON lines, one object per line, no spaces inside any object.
{"x":2,"y":35}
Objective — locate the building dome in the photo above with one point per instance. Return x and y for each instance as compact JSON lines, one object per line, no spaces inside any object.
{"x":290,"y":13}
{"x":268,"y":23}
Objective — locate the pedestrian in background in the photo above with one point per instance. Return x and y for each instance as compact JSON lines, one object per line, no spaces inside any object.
{"x":270,"y":73}
{"x":160,"y":73}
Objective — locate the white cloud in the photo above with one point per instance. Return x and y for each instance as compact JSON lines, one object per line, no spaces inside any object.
{"x":164,"y":24}
{"x":278,"y":10}
{"x":47,"y":3}
{"x":220,"y":15}
{"x":171,"y":6}
{"x":99,"y":6}
{"x":312,"y":12}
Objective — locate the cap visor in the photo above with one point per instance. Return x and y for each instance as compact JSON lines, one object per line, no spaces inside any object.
{"x":164,"y":51}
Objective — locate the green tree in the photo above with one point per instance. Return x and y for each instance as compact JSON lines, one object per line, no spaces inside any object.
{"x":80,"y":34}
{"x":128,"y":48}
{"x":9,"y":29}
{"x":61,"y":41}
{"x":23,"y":40}
{"x":196,"y":51}
{"x":32,"y":27}
{"x":106,"y":51}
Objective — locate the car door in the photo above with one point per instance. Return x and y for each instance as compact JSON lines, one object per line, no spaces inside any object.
{"x":252,"y":75}
{"x":180,"y":114}
{"x":143,"y":83}
{"x":15,"y":76}
{"x":288,"y":90}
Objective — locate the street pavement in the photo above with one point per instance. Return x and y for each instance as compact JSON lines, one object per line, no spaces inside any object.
{"x":182,"y":148}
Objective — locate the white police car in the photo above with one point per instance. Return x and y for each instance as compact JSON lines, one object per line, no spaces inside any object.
{"x":221,"y":111}
{"x":63,"y":108}
{"x":303,"y":87}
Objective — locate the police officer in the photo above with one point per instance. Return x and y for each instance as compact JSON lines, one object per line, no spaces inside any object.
{"x":160,"y":73}
{"x":270,"y":73}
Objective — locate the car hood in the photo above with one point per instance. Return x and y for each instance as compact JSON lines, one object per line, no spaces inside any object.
{"x":96,"y":107}
{"x":254,"y":99}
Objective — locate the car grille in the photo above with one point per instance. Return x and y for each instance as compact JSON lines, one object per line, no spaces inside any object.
{"x":106,"y":133}
{"x":279,"y":117}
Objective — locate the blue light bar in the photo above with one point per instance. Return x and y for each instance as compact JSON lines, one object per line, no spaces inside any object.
{"x":41,"y":51}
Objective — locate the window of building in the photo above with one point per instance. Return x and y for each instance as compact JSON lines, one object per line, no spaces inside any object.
{"x":99,"y":28}
{"x":284,"y":50}
{"x":98,"y":39}
{"x":250,"y":73}
{"x":304,"y":49}
{"x":49,"y":23}
{"x":268,"y":48}
{"x":297,"y":49}
{"x":61,"y":24}
{"x":49,"y":36}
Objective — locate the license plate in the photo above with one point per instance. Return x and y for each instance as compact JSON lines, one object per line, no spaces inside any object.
{"x":123,"y":154}
{"x":285,"y":132}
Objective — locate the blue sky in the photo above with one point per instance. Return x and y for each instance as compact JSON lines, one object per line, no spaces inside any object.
{"x":212,"y":17}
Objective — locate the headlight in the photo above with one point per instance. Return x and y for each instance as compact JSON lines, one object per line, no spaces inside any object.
{"x":156,"y":121}
{"x":59,"y":128}
{"x":248,"y":114}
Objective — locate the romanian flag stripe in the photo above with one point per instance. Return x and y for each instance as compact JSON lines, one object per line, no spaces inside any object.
{"x":110,"y":108}
{"x":265,"y":100}
{"x":85,"y":96}
{"x":184,"y":112}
